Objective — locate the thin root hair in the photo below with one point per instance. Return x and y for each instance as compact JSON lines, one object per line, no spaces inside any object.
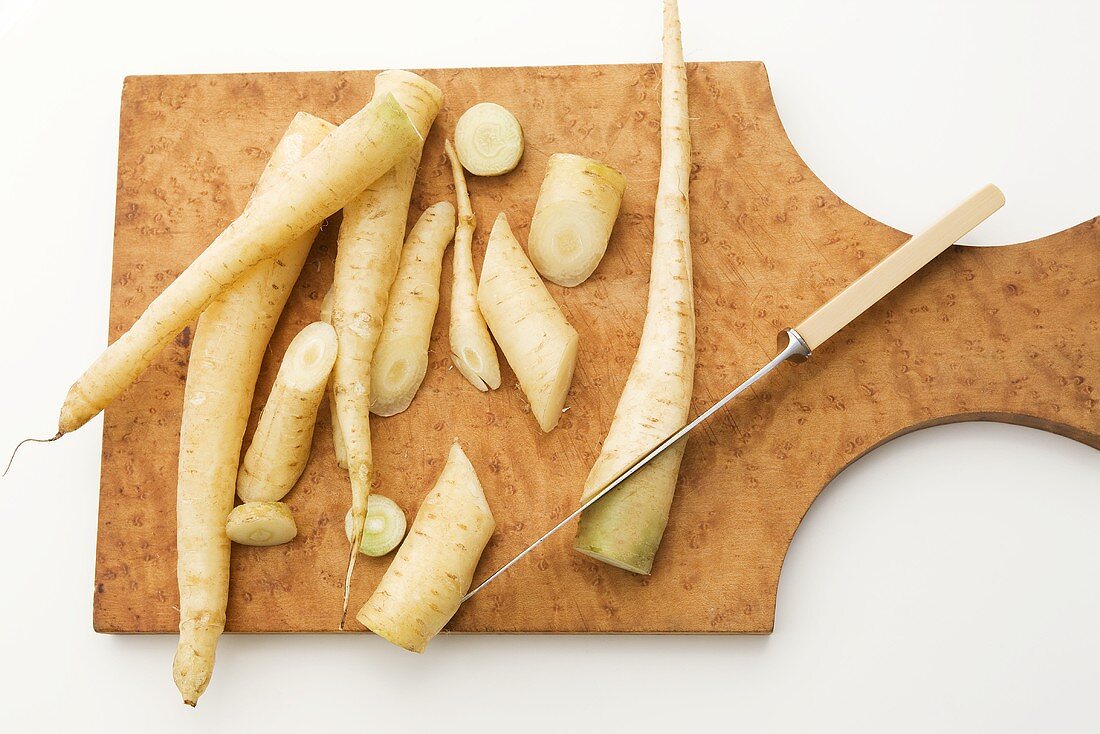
{"x":28,"y":440}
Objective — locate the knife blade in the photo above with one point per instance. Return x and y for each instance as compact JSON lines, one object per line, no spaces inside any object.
{"x":813,"y":331}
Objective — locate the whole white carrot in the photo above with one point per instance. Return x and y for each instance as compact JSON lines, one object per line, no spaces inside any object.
{"x":228,"y":348}
{"x":423,"y":587}
{"x":472,"y":350}
{"x":367,"y":256}
{"x":625,"y":527}
{"x":284,"y":436}
{"x":347,"y":161}
{"x":401,"y":357}
{"x":531,"y":330}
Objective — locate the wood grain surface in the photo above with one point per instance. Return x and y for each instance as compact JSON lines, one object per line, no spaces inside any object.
{"x":1009,"y":334}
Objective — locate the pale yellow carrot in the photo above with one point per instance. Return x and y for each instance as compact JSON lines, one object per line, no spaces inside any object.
{"x":423,"y":587}
{"x":472,"y":350}
{"x":624,"y":528}
{"x":226,"y":353}
{"x":401,"y":357}
{"x":281,"y":445}
{"x":367,"y":256}
{"x":538,"y":342}
{"x":576,"y":210}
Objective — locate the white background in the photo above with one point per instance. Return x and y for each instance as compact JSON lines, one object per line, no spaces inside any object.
{"x":948,"y":581}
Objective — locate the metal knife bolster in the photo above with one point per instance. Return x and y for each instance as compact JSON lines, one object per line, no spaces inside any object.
{"x":790,"y":339}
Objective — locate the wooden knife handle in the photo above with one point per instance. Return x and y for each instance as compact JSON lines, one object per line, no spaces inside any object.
{"x":845,"y":306}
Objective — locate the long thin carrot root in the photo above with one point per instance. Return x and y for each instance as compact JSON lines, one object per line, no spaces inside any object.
{"x":624,"y":528}
{"x":367,"y":257}
{"x":472,"y":350}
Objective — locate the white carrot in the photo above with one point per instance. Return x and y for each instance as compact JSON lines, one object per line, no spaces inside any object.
{"x":538,"y":342}
{"x":261,"y":523}
{"x":625,"y":527}
{"x":577,"y":207}
{"x":489,"y":140}
{"x":284,"y":436}
{"x":226,"y":353}
{"x":347,"y":161}
{"x":472,"y":350}
{"x":401,"y":357}
{"x":338,"y":447}
{"x":367,"y":257}
{"x":423,"y":587}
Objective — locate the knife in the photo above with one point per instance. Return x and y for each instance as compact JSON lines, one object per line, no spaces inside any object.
{"x":798,"y":343}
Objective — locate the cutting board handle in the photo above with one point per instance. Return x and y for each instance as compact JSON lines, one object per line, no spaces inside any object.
{"x":893,"y":270}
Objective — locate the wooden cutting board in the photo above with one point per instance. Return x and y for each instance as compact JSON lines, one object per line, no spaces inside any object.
{"x":1009,"y":334}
